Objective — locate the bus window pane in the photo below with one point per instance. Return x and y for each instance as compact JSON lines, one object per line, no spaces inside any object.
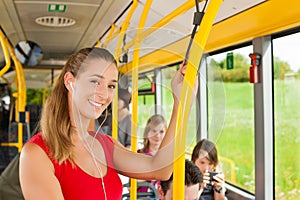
{"x":146,"y":108}
{"x":167,"y":106}
{"x":287,"y":114}
{"x":145,"y":111}
{"x":231,"y":115}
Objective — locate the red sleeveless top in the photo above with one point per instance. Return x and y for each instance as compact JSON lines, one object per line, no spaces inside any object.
{"x":77,"y":184}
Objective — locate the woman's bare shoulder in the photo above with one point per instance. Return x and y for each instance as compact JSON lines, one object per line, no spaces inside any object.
{"x":32,"y":152}
{"x":32,"y":148}
{"x":37,"y":174}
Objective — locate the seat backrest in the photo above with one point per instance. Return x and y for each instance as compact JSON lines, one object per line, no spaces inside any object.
{"x":151,"y":194}
{"x":10,"y":188}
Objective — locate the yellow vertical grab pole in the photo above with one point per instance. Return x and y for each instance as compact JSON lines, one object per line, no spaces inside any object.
{"x":185,"y":96}
{"x":20,"y":97}
{"x":118,"y":52}
{"x":135,"y":74}
{"x":6,"y":54}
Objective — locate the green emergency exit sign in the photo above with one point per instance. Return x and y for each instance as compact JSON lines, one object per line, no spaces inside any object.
{"x":57,"y":8}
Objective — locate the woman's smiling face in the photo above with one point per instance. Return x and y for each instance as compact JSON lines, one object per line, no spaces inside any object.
{"x":94,"y":87}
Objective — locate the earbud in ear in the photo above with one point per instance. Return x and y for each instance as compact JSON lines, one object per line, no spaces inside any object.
{"x":71,"y":85}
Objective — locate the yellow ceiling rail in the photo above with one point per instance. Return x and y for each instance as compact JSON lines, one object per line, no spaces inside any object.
{"x":118,"y":52}
{"x":110,"y":35}
{"x":135,"y":74}
{"x":186,"y":94}
{"x":165,"y":20}
{"x":171,"y":16}
{"x":261,"y":20}
{"x":224,"y":33}
{"x":115,"y":34}
{"x":161,"y":57}
{"x":4,"y":41}
{"x":98,"y":43}
{"x":124,"y":28}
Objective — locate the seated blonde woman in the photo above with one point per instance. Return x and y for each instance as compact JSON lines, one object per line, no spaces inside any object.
{"x":154,"y":133}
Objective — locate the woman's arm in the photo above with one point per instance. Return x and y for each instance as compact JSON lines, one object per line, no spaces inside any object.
{"x":37,"y":177}
{"x":141,"y":166}
{"x":158,"y":167}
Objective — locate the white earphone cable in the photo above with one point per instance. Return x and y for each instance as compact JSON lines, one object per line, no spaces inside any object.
{"x":89,"y":147}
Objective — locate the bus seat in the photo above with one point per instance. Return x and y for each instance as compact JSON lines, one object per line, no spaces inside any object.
{"x":10,"y":188}
{"x":152,"y":193}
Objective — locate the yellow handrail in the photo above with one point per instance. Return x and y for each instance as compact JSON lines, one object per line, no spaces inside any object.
{"x":185,"y":96}
{"x":109,"y":36}
{"x":165,"y":20}
{"x":232,"y":168}
{"x":171,"y":16}
{"x":118,"y":52}
{"x":135,"y":74}
{"x":3,"y":40}
{"x":113,"y":35}
{"x":20,"y":96}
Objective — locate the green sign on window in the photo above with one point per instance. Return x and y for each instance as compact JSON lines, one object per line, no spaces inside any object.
{"x":229,"y":61}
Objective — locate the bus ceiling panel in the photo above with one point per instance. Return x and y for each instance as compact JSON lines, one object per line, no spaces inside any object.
{"x":184,"y":22}
{"x":65,"y":25}
{"x":56,"y":45}
{"x":178,"y":28}
{"x":10,"y":23}
{"x":55,"y":28}
{"x":160,"y":9}
{"x":233,"y":7}
{"x":157,"y":40}
{"x":154,"y":16}
{"x":106,"y":15}
{"x":228,"y":9}
{"x":92,"y":19}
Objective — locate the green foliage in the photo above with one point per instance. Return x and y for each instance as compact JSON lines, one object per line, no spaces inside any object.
{"x":280,"y":68}
{"x":287,"y":140}
{"x":240,"y":72}
{"x":240,"y":61}
{"x":236,"y":139}
{"x":34,"y":96}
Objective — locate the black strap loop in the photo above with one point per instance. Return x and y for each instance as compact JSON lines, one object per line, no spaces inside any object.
{"x":198,"y":16}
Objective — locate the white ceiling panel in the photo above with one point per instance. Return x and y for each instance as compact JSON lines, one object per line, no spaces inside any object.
{"x":93,"y":20}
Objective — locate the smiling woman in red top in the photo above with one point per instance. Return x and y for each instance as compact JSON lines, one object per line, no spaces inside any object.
{"x":65,"y":161}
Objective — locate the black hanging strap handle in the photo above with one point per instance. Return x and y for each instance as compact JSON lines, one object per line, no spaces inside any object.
{"x":198,"y":16}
